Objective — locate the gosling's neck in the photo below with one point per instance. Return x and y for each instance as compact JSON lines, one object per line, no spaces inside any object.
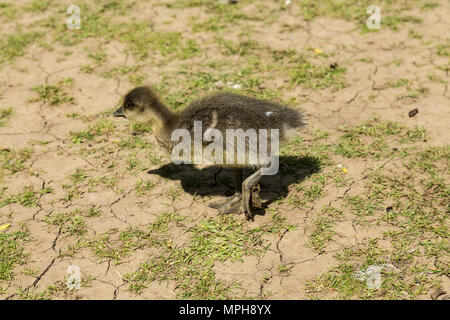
{"x":164,"y":119}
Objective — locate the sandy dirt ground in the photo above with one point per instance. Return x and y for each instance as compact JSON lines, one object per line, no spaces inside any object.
{"x":81,"y":188}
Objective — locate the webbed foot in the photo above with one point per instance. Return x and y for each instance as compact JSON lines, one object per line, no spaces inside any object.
{"x":231,"y":204}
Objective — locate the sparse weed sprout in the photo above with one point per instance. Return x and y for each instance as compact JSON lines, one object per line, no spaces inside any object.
{"x":358,"y":196}
{"x":54,"y":95}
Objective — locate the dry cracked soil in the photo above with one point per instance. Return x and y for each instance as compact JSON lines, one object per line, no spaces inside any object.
{"x":364,"y":184}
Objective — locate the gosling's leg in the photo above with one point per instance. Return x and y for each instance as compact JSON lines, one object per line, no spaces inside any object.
{"x":247,"y":186}
{"x":216,"y":174}
{"x":231,"y":204}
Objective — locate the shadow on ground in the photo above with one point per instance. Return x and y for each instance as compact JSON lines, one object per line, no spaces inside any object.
{"x":212,"y":181}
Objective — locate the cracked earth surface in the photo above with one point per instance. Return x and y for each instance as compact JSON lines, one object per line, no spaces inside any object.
{"x":84,"y":194}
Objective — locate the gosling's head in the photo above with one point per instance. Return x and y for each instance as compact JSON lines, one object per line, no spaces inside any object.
{"x":142,"y":105}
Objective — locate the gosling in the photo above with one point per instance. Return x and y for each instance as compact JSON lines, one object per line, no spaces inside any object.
{"x":220,"y":111}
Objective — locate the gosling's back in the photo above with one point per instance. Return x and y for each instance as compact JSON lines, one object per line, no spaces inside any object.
{"x":232,"y":111}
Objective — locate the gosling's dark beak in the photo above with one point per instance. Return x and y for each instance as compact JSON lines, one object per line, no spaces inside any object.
{"x":119,"y":113}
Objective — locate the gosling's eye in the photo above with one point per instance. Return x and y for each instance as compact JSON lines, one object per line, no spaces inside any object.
{"x":128,"y":105}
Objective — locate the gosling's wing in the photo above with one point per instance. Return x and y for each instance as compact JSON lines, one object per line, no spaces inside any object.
{"x":231,"y":111}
